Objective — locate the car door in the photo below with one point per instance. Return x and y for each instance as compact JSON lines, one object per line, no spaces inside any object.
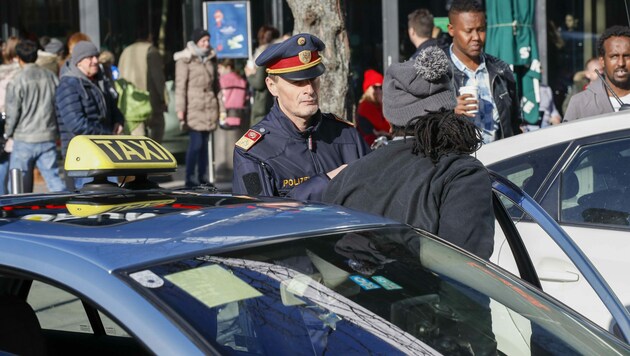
{"x":545,"y":229}
{"x":586,"y":191}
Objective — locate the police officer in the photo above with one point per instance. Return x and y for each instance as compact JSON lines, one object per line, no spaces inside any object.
{"x":296,"y":149}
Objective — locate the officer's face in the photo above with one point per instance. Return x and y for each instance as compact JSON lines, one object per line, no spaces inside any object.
{"x":468,"y":30}
{"x":297,"y":99}
{"x":616,"y":61}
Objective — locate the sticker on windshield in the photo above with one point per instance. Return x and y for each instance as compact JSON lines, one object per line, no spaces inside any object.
{"x":147,"y":279}
{"x":386,"y":283}
{"x":213,"y":285}
{"x":364,"y":283}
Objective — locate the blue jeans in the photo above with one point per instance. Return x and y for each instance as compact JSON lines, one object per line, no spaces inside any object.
{"x":197,"y":157}
{"x":26,"y":155}
{"x":4,"y":177}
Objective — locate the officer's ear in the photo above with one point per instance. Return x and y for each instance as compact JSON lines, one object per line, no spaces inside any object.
{"x":272,"y":84}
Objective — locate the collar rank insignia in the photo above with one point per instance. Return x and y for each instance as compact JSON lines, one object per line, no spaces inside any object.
{"x":248,"y":140}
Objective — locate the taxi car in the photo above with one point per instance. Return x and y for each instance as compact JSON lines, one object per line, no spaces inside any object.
{"x":136,"y":269}
{"x":579,"y":172}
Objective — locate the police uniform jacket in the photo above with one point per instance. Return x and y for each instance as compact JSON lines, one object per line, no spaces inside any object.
{"x":287,"y":162}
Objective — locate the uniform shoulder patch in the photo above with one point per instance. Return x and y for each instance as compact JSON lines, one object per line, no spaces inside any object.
{"x":337,"y":118}
{"x":249,"y":139}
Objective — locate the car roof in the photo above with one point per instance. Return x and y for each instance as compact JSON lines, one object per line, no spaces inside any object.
{"x":568,"y":131}
{"x":184,"y":226}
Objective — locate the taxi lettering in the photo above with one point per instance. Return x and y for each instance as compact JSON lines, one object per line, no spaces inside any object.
{"x":132,"y":150}
{"x":292,"y":182}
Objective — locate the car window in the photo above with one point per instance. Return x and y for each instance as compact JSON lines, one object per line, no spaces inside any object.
{"x":382,"y":291}
{"x":57,"y":309}
{"x":528,"y":171}
{"x":55,"y":321}
{"x":595,"y":186}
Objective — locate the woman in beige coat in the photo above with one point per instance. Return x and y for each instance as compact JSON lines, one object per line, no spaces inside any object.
{"x":197,"y":101}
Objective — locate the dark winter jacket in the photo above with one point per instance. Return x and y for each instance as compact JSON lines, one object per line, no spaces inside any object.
{"x":84,"y":107}
{"x":452,"y":199}
{"x":503,"y":87}
{"x":286,"y":162}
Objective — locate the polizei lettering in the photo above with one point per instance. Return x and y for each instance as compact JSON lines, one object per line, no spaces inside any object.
{"x":292,"y":182}
{"x":132,"y":150}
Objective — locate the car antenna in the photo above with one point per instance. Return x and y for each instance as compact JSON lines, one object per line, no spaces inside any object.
{"x":623,"y":106}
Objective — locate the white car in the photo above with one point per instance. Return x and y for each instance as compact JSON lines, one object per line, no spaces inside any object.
{"x":579,"y":172}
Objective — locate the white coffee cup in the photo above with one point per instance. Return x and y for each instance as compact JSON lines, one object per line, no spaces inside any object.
{"x":474,"y":91}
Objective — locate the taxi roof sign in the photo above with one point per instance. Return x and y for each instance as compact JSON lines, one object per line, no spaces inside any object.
{"x":116,"y":155}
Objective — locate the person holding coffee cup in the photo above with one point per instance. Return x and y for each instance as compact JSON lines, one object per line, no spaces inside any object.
{"x":485,"y":85}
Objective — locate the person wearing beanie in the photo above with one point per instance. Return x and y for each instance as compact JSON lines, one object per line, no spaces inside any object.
{"x":197,"y":102}
{"x":370,"y":120}
{"x":425,"y":176}
{"x":31,"y":125}
{"x":295,"y":149}
{"x":82,"y":107}
{"x":50,"y":57}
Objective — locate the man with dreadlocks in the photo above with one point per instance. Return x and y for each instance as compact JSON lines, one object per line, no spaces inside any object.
{"x":426,"y":176}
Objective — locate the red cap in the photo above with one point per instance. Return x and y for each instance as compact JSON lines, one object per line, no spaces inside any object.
{"x":371,"y":77}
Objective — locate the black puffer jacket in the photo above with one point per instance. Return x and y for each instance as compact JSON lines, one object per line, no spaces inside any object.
{"x":452,"y":199}
{"x":84,"y":107}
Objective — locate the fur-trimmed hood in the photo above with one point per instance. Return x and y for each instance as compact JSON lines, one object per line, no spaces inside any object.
{"x":191,"y":51}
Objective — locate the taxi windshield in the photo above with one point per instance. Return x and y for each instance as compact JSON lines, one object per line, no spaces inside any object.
{"x":384,"y":290}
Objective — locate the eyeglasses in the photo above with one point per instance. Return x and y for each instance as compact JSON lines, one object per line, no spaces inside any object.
{"x":377,"y":87}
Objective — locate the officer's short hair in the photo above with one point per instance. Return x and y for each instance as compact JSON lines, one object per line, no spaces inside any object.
{"x":614,"y":31}
{"x":421,"y":20}
{"x":26,"y":51}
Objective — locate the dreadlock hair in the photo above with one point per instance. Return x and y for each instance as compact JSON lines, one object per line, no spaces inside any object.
{"x":442,"y":132}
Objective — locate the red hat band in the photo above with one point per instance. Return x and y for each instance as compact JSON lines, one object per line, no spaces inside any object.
{"x":304,"y":60}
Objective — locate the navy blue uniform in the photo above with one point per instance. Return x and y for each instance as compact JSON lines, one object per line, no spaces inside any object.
{"x":287,"y":162}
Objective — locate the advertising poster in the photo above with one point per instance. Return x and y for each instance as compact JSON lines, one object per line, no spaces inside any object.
{"x":228,"y":25}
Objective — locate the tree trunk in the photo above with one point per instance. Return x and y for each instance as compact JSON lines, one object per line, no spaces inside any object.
{"x":324,"y":19}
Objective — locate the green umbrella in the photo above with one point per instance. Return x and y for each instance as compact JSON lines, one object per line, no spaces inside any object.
{"x":511,"y":37}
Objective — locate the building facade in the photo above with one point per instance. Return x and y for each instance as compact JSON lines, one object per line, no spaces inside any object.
{"x":566,"y":29}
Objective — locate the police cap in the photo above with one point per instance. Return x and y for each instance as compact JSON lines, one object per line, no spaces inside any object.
{"x":296,"y":58}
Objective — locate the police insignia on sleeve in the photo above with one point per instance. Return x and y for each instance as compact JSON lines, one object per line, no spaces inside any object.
{"x":248,"y":140}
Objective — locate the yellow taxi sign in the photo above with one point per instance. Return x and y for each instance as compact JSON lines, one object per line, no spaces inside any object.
{"x":92,"y":155}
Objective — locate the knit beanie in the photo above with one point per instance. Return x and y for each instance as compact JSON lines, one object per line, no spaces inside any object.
{"x":197,"y":34}
{"x":371,"y":77}
{"x":419,"y":86}
{"x":54,"y":46}
{"x":81,"y":50}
